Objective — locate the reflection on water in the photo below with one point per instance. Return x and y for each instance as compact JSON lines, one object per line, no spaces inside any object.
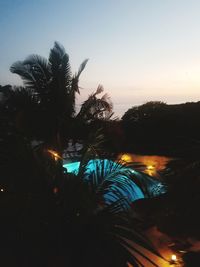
{"x":151,"y":164}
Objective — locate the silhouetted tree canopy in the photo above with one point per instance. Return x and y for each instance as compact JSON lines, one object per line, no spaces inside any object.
{"x":163,"y":129}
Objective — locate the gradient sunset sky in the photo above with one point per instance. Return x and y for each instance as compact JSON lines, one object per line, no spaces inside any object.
{"x":140,"y":50}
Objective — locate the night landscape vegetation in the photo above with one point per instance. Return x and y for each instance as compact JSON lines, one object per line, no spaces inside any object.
{"x":81,"y":186}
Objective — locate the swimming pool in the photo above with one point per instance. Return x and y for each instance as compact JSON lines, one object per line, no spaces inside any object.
{"x":118,"y":178}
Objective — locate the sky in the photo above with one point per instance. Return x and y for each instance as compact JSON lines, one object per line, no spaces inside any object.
{"x":139,"y":50}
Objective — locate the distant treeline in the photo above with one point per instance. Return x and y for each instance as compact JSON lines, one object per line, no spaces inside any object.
{"x":152,"y":128}
{"x":156,"y":127}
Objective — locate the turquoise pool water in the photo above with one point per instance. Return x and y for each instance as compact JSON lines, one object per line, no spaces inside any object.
{"x":114,"y":177}
{"x":105,"y":168}
{"x":72,"y":167}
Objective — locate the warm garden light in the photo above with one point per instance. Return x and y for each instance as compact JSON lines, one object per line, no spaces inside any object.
{"x":54,"y":154}
{"x":2,"y":190}
{"x":150,"y":167}
{"x":126,"y":158}
{"x":55,"y":190}
{"x":173,"y":258}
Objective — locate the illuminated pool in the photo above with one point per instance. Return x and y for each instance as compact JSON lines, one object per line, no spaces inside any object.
{"x":72,"y":167}
{"x":105,"y":170}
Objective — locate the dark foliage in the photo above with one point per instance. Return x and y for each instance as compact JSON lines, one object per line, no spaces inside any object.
{"x":191,"y":259}
{"x":163,"y":129}
{"x":48,"y":216}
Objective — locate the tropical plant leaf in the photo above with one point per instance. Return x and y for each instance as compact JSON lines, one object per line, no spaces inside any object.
{"x":75,"y":80}
{"x":82,"y":67}
{"x":24,"y":71}
{"x":39,"y":66}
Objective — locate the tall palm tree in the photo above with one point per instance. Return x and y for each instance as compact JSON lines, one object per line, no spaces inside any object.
{"x":51,"y":80}
{"x":45,"y":108}
{"x":53,"y":86}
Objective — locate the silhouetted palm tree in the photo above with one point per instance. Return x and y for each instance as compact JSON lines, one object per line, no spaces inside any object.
{"x":54,"y":88}
{"x":78,"y":209}
{"x":51,"y":80}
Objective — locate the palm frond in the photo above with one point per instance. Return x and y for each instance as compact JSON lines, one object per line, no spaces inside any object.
{"x":139,"y":251}
{"x":59,"y":65}
{"x":99,"y":90}
{"x":91,"y":150}
{"x":65,"y":71}
{"x":111,"y":181}
{"x":75,"y":80}
{"x":82,"y":67}
{"x":25,"y":72}
{"x":61,"y":81}
{"x":56,"y":56}
{"x":39,"y":66}
{"x":125,"y":231}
